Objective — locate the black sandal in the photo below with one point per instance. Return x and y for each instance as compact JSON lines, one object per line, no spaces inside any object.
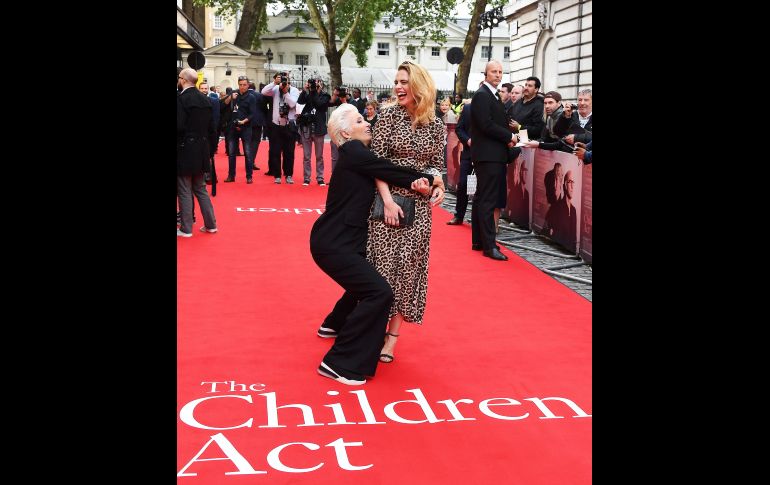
{"x":387,"y":358}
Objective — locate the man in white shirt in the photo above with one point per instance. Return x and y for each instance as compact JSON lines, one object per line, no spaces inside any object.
{"x":284,"y":127}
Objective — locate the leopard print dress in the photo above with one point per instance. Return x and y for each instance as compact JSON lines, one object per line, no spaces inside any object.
{"x":400,"y":255}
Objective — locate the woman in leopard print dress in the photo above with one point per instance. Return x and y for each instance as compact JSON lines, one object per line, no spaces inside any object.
{"x":409,"y":134}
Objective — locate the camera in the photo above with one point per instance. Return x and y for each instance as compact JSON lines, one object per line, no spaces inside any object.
{"x":306,"y":119}
{"x":343,"y":91}
{"x":574,"y":107}
{"x":284,"y":79}
{"x":283,"y":110}
{"x":312,"y":85}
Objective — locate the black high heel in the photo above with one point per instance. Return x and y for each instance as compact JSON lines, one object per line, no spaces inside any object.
{"x":387,"y":358}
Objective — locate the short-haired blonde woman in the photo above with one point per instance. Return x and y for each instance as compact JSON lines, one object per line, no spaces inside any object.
{"x":410,"y":135}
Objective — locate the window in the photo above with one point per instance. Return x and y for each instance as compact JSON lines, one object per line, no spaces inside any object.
{"x":218,"y":24}
{"x":506,"y":52}
{"x":280,"y":58}
{"x":321,"y":61}
{"x":435,"y":51}
{"x":301,"y":59}
{"x":485,"y":52}
{"x":383,"y":48}
{"x":411,"y":50}
{"x":217,"y":40}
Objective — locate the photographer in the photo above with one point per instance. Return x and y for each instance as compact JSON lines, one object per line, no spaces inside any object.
{"x":244,"y":105}
{"x":340,"y":95}
{"x":284,"y":126}
{"x":312,"y":128}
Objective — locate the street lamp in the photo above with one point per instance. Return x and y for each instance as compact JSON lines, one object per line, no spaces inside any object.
{"x":269,"y":55}
{"x":489,"y":20}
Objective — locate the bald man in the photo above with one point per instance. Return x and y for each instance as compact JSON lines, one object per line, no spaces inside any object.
{"x":194,"y":129}
{"x":491,"y":142}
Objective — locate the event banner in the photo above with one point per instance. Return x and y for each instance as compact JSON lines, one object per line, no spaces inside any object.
{"x":519,"y":200}
{"x":558,"y":179}
{"x":586,"y":218}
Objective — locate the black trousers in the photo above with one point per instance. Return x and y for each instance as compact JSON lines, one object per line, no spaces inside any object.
{"x":461,"y":204}
{"x":282,"y":142}
{"x":489,"y":177}
{"x":359,"y":317}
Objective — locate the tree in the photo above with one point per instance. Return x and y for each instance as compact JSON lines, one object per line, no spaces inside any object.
{"x":352,"y":22}
{"x":471,"y":39}
{"x":469,"y":47}
{"x":253,"y":19}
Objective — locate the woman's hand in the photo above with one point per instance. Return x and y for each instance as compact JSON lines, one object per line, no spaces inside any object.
{"x":421,"y":185}
{"x":437,"y":196}
{"x":392,"y":212}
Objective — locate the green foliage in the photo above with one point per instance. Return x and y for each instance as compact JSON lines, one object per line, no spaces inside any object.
{"x":226,"y":8}
{"x":356,"y":19}
{"x":249,"y":33}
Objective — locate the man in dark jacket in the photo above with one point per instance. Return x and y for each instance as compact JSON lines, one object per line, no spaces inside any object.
{"x":463,"y":130}
{"x":194,"y":128}
{"x":491,"y":142}
{"x":213,"y":141}
{"x":553,"y":132}
{"x":527,"y":112}
{"x":244,"y":114}
{"x":338,"y":246}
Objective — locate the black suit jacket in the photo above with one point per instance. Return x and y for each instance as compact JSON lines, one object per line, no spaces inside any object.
{"x":463,"y":130}
{"x":489,"y":128}
{"x":194,"y":129}
{"x":343,"y":227}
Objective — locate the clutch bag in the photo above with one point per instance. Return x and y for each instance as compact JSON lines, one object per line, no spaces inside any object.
{"x":406,"y":204}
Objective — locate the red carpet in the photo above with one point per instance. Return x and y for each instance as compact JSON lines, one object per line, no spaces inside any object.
{"x":497,"y":338}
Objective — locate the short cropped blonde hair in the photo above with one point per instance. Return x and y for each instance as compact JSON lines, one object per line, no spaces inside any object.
{"x":340,"y":121}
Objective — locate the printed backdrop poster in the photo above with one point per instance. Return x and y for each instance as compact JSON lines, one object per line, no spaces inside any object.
{"x":586,"y":218}
{"x":518,"y":207}
{"x":557,"y":187}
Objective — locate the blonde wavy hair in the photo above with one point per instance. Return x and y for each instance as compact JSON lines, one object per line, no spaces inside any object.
{"x":423,"y":90}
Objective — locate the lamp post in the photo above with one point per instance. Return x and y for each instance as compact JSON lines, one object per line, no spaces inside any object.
{"x":302,"y":71}
{"x":269,"y":55}
{"x":489,"y":20}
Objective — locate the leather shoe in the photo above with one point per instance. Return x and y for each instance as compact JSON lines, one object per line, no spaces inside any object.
{"x":455,"y":221}
{"x":249,"y":180}
{"x":495,"y":254}
{"x":476,"y":247}
{"x":230,"y":179}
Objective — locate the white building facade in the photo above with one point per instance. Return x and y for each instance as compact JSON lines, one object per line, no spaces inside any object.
{"x":553,"y":41}
{"x":302,"y":53}
{"x":550,"y":39}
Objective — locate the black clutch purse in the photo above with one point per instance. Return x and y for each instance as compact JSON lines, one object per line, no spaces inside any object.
{"x":406,"y":204}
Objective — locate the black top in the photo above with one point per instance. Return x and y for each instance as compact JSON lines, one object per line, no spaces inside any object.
{"x":194,"y":129}
{"x":489,"y":128}
{"x":343,"y":227}
{"x":529,"y":114}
